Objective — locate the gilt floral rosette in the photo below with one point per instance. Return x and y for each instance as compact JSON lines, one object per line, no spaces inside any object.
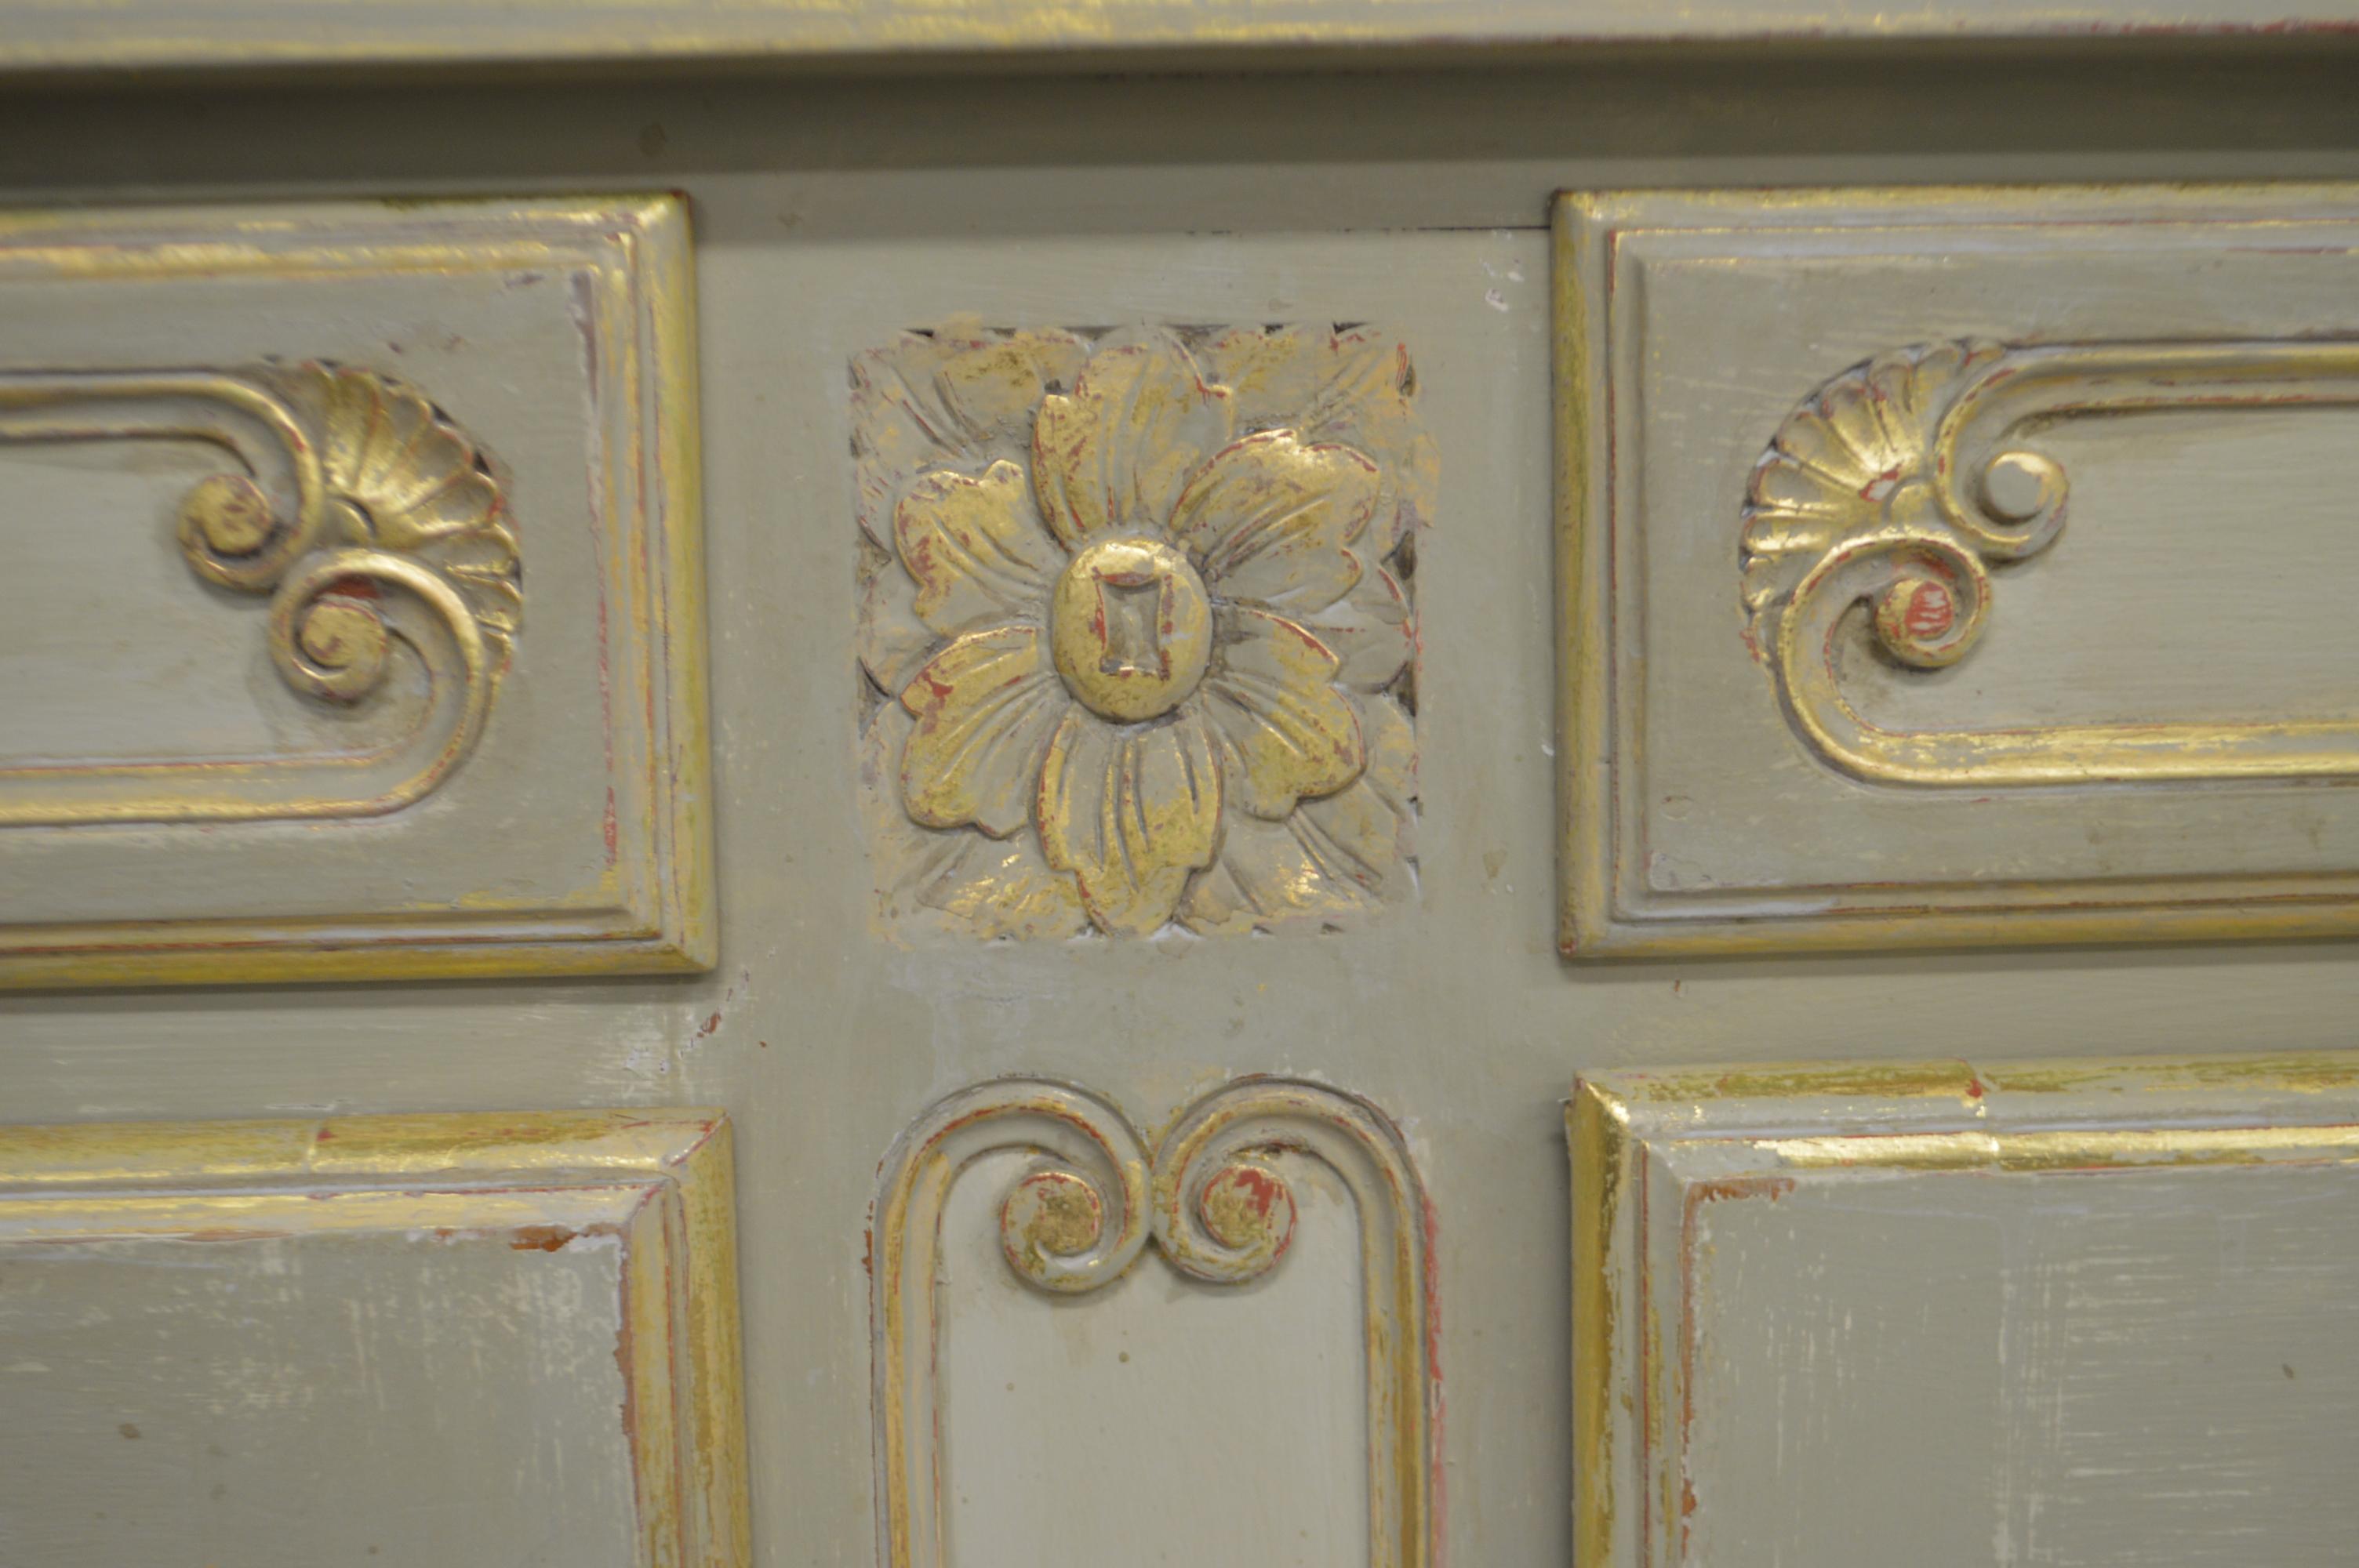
{"x":1137,"y":628}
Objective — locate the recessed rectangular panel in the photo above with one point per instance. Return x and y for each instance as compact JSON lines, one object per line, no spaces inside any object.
{"x":399,"y":1340}
{"x":1958,"y":566}
{"x":353,"y":609}
{"x":2090,"y":1313}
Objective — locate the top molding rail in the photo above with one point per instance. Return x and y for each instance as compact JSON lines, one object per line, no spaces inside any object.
{"x":73,"y":36}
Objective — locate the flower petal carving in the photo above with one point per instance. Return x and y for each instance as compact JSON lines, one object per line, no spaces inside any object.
{"x":984,"y":886}
{"x":1372,"y":629}
{"x":1132,"y":813}
{"x":1117,"y":452}
{"x":956,"y":398}
{"x":985,"y":707}
{"x":1269,"y":517}
{"x":1292,"y":732}
{"x":1355,"y":388}
{"x":892,"y":643}
{"x":1334,"y":858}
{"x":1143,"y":604}
{"x":976,"y":547}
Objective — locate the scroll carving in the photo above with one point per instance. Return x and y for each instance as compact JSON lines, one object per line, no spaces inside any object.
{"x":1215,"y":1202}
{"x":1137,"y":626}
{"x":1896,"y":484}
{"x":368,"y":517}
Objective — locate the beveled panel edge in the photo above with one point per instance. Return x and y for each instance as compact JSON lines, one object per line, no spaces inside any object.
{"x":1215,"y":1208}
{"x":668,"y":922}
{"x":1691,"y":1134}
{"x":682,"y":1247}
{"x":1592,"y":926}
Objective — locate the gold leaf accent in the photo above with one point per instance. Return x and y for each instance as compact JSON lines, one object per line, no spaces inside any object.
{"x":984,"y":706}
{"x":1117,"y":451}
{"x":1130,"y":812}
{"x":1290,"y":730}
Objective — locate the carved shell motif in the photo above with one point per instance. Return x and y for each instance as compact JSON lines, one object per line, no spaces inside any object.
{"x":405,"y":479}
{"x":1853,"y":462}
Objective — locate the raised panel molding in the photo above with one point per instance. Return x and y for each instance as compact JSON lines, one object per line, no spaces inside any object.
{"x":1947,"y":566}
{"x":278,"y":708}
{"x":452,"y":1338}
{"x":1213,"y":1199}
{"x":1950,"y":1312}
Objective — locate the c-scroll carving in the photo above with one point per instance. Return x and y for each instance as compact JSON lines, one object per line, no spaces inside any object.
{"x":1895,"y":484}
{"x":369,"y":517}
{"x":1219,"y":1209}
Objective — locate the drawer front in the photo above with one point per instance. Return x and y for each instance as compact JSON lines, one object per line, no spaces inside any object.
{"x":355,"y":594}
{"x":1959,"y":565}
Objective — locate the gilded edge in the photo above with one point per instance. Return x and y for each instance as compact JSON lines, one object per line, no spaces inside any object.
{"x":1771,"y":1123}
{"x":1598,"y":1127}
{"x":1583,"y":581}
{"x":648,"y":276}
{"x":689,"y":1279}
{"x":1214,"y":1206}
{"x":1593,"y":926}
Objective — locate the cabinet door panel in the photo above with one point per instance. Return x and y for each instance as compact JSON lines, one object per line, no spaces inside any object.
{"x":388,"y":1339}
{"x":2069,"y":1313}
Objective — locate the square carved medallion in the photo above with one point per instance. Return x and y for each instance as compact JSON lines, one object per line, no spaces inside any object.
{"x":1137,"y":626}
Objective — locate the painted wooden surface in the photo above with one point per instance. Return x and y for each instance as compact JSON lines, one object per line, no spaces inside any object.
{"x":397,"y":1339}
{"x":2046,"y":1312}
{"x":2125,"y":747}
{"x":55,"y":34}
{"x":335,"y":732}
{"x":834,"y":211}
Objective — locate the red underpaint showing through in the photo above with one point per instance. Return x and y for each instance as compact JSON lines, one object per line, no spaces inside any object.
{"x":1698,"y":1194}
{"x":1931,"y":611}
{"x":541,"y":1238}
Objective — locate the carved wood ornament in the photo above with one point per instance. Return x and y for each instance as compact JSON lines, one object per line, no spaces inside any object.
{"x":1217,"y":1206}
{"x":1136,"y":617}
{"x":356,"y":505}
{"x":1898,"y":484}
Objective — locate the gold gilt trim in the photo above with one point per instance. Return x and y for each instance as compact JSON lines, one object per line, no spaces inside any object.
{"x":658,"y":1180}
{"x":354,"y":494}
{"x":1647,"y":1146}
{"x":1945,"y":438}
{"x":369,"y":516}
{"x":1216,"y":1206}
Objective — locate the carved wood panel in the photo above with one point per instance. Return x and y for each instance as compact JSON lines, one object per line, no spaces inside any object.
{"x":281,"y":485}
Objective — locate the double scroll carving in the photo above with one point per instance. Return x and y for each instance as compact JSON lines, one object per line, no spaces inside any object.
{"x":1216,"y":1205}
{"x":1896,"y":484}
{"x":367,"y":516}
